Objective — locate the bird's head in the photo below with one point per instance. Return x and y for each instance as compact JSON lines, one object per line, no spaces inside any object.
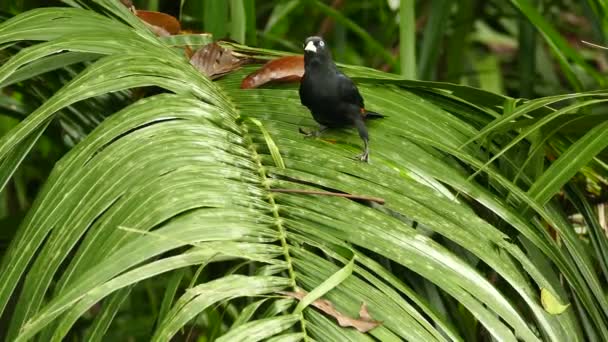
{"x":316,"y":51}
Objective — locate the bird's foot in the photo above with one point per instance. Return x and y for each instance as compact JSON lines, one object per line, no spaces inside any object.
{"x":312,"y":134}
{"x":364,"y":157}
{"x":307,"y":134}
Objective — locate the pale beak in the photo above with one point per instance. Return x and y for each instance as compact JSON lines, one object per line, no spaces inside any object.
{"x":310,"y":47}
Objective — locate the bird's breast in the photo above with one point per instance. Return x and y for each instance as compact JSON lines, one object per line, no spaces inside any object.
{"x":321,"y":97}
{"x":321,"y":90}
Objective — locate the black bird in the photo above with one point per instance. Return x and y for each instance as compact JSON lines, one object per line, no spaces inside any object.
{"x":332,"y":97}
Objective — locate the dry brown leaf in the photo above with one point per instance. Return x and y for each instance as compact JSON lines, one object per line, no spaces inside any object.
{"x":166,"y":22}
{"x":161,"y":24}
{"x":284,"y":69}
{"x":364,"y":324}
{"x":188,"y":51}
{"x":363,"y":313}
{"x":215,"y":61}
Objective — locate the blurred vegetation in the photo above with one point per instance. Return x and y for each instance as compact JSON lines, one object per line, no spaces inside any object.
{"x":470,"y":42}
{"x":519,"y":49}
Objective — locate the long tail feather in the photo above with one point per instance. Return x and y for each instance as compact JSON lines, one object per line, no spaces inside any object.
{"x":372,"y":115}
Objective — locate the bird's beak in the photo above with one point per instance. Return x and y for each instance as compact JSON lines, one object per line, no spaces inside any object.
{"x":310,"y":47}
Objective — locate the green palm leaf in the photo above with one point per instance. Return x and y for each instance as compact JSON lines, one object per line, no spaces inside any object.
{"x":183,"y":179}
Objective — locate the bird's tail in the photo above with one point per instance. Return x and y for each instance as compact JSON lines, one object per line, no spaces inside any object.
{"x":368,"y":115}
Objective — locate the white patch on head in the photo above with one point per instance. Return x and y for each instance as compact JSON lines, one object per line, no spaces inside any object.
{"x":311,"y":47}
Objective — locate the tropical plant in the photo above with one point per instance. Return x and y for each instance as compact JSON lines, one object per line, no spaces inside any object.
{"x":173,"y":199}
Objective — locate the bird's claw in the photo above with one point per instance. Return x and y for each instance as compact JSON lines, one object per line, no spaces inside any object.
{"x":309,"y":134}
{"x":302,"y":131}
{"x":364,"y":157}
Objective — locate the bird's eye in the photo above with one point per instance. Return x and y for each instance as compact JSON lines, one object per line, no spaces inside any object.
{"x":321,"y":43}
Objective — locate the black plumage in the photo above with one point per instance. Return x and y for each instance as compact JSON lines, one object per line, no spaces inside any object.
{"x":332,"y":98}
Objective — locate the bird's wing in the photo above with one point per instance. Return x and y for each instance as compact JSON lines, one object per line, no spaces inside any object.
{"x":348,"y":91}
{"x":304,"y":98}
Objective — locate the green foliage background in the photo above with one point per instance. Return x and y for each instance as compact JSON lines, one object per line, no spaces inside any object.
{"x":153,"y":218}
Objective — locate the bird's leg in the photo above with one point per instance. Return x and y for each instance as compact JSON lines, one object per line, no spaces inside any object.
{"x":364,"y":136}
{"x":365,"y":155}
{"x":313,"y":133}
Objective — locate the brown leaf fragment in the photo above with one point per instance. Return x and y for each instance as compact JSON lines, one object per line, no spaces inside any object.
{"x":378,"y":200}
{"x":215,"y":61}
{"x":127,"y":3}
{"x":297,"y":295}
{"x":284,"y":69}
{"x":363,"y":313}
{"x":364,"y":324}
{"x":188,"y":51}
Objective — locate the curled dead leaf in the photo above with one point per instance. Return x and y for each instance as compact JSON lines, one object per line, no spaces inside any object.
{"x":215,"y":61}
{"x":364,"y":324}
{"x":284,"y":69}
{"x":161,"y":24}
{"x":166,"y":22}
